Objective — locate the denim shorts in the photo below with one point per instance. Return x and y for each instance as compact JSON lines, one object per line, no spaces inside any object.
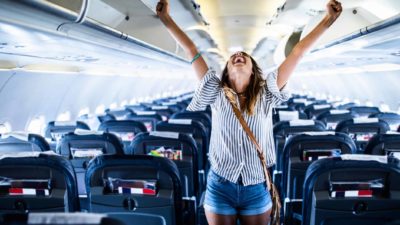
{"x":226,"y":198}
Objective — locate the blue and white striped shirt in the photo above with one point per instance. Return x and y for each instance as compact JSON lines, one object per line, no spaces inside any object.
{"x":231,"y":151}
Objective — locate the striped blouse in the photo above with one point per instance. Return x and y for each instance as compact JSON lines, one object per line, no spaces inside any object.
{"x":231,"y":151}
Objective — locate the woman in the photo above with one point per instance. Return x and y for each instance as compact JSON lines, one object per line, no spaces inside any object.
{"x":236,"y":183}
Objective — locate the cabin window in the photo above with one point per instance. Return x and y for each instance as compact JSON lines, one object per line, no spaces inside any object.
{"x":5,"y":127}
{"x":100,"y":109}
{"x":113,"y":105}
{"x":65,"y":116}
{"x":36,"y":125}
{"x":84,"y":111}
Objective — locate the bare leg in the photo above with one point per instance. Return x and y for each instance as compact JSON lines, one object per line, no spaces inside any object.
{"x":218,"y":219}
{"x":260,"y":219}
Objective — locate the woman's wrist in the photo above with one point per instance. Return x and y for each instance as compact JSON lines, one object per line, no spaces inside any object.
{"x":328,"y":20}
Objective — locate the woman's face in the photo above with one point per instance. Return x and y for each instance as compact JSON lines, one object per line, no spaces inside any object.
{"x":240,"y":63}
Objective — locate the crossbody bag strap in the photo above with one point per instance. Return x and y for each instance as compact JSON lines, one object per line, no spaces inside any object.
{"x":246,"y":128}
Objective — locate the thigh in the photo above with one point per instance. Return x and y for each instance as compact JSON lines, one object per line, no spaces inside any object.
{"x":218,"y":219}
{"x":260,"y":219}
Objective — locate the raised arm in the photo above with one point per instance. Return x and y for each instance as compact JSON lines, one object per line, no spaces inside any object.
{"x":199,"y":65}
{"x":334,"y":8}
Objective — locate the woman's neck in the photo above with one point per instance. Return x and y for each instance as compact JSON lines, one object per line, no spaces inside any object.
{"x":239,"y":85}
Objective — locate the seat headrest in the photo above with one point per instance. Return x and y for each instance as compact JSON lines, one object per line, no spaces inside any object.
{"x":20,"y":135}
{"x":296,"y":123}
{"x":145,"y":113}
{"x":338,"y":111}
{"x":180,"y":121}
{"x":319,"y":133}
{"x":26,"y":154}
{"x":365,"y":120}
{"x":360,"y":157}
{"x":64,"y":218}
{"x":65,"y":123}
{"x":165,"y":134}
{"x":87,"y":132}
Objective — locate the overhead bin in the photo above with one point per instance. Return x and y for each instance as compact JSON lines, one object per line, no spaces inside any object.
{"x":48,"y":17}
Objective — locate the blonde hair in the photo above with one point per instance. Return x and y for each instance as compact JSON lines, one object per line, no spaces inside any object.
{"x":252,"y":91}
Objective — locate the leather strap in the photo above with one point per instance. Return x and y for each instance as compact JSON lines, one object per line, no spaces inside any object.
{"x":246,"y":128}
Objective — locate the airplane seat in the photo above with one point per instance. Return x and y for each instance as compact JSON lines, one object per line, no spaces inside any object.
{"x":59,"y":219}
{"x":179,"y":147}
{"x":282,"y":130}
{"x":194,"y":129}
{"x":126,"y":130}
{"x":393,"y":119}
{"x":119,"y":114}
{"x":173,"y":106}
{"x":352,"y":189}
{"x":299,"y":152}
{"x":316,"y":109}
{"x":149,"y":118}
{"x":362,"y":129}
{"x":287,"y":114}
{"x":37,"y":182}
{"x":202,"y":117}
{"x":106,"y":117}
{"x":383,"y":144}
{"x":363,"y":111}
{"x":332,"y":117}
{"x":22,"y":142}
{"x":56,"y":129}
{"x":81,"y":146}
{"x":346,"y":106}
{"x":121,"y":185}
{"x":164,"y":111}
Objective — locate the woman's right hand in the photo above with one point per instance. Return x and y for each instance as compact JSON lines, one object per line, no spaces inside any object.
{"x":162,"y":9}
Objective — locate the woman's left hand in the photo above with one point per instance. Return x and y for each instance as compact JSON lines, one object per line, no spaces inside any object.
{"x":334,"y":9}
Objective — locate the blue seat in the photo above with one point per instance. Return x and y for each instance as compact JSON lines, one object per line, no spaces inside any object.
{"x":119,"y":114}
{"x":393,"y":119}
{"x":53,"y":174}
{"x":332,"y":117}
{"x":144,"y":143}
{"x":55,"y":130}
{"x":383,"y":144}
{"x":287,"y":114}
{"x":193,"y":128}
{"x":60,"y":219}
{"x":126,"y":130}
{"x":315,"y":109}
{"x":149,"y":118}
{"x":362,"y":129}
{"x":376,"y":203}
{"x":22,"y":142}
{"x":299,"y":152}
{"x":282,"y":130}
{"x":106,"y":117}
{"x":166,"y":203}
{"x":363,"y":111}
{"x":202,"y":117}
{"x":80,"y":148}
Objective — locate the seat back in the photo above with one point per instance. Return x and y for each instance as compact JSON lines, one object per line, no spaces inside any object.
{"x":126,"y":130}
{"x":315,"y":109}
{"x":112,"y":181}
{"x":363,"y":111}
{"x":58,"y":219}
{"x":358,"y":190}
{"x":80,"y":148}
{"x":37,"y":182}
{"x":287,"y":114}
{"x":194,"y":129}
{"x":362,"y":129}
{"x":149,"y":118}
{"x":22,"y":142}
{"x":55,"y":129}
{"x":181,"y":144}
{"x":199,"y":116}
{"x":332,"y":117}
{"x":383,"y":144}
{"x":393,"y":119}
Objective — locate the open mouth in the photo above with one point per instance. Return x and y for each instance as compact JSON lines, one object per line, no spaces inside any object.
{"x":238,"y":59}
